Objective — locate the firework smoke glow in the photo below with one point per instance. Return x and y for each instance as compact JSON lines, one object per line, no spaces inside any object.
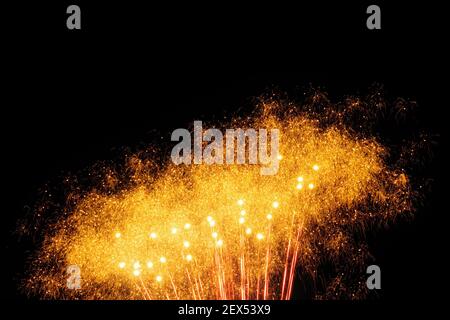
{"x":226,"y":231}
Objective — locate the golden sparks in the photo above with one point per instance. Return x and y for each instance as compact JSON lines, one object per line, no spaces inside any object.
{"x":226,"y":231}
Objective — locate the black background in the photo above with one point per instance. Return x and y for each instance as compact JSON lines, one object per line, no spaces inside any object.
{"x":135,"y":72}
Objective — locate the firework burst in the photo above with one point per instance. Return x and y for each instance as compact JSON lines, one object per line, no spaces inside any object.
{"x":148,"y":231}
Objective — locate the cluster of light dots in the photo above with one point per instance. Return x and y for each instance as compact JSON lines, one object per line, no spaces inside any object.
{"x":215,"y":235}
{"x":137,"y":270}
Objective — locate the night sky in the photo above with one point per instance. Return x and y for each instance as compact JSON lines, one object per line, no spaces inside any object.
{"x":133,"y":74}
